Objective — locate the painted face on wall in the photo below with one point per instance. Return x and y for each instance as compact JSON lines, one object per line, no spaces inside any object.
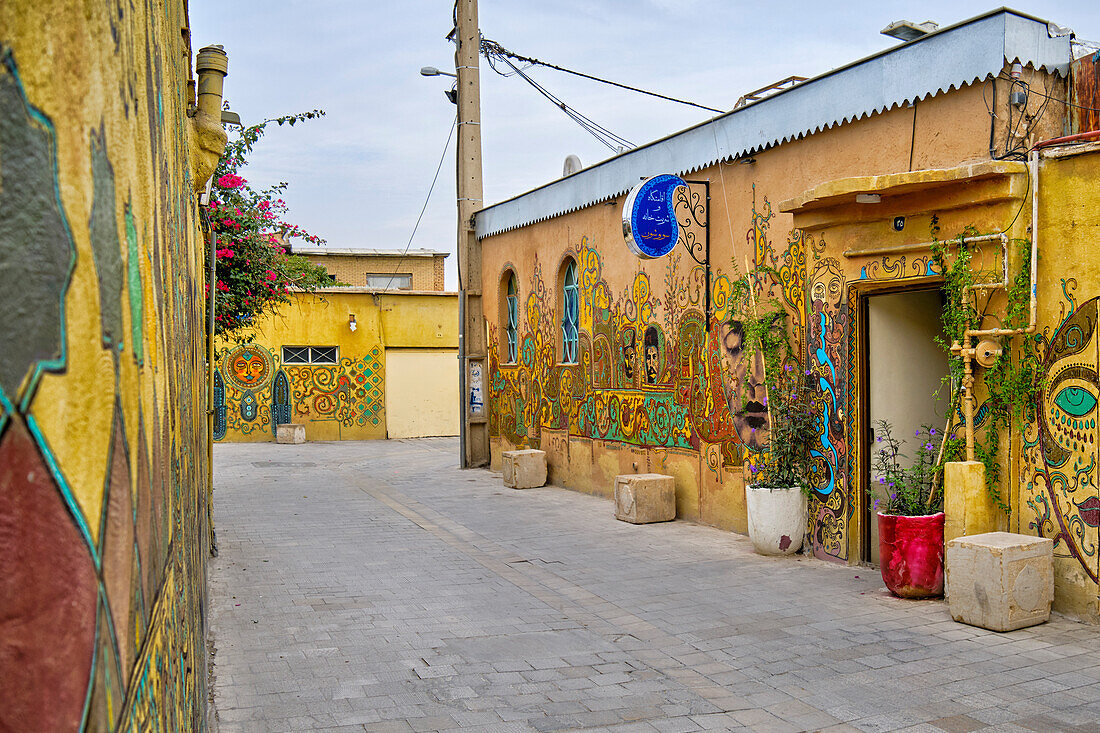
{"x":744,"y":385}
{"x":827,"y":286}
{"x":652,"y":356}
{"x":1070,"y":436}
{"x":652,"y":364}
{"x":629,"y":351}
{"x":250,"y":367}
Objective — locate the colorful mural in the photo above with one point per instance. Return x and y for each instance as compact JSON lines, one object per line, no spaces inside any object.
{"x":658,"y":373}
{"x":103,"y":514}
{"x":261,"y":392}
{"x":1062,"y":451}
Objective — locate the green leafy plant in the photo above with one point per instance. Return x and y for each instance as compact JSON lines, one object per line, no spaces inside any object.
{"x":786,"y":462}
{"x":253,"y":271}
{"x":906,"y":490}
{"x":1014,"y":381}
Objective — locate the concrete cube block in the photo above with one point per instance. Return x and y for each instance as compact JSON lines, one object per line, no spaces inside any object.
{"x":641,"y":498}
{"x":290,"y":432}
{"x":1000,"y":581}
{"x":524,"y":469}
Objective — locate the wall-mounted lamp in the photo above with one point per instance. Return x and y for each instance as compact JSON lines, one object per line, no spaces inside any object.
{"x":868,"y":198}
{"x":351,"y":322}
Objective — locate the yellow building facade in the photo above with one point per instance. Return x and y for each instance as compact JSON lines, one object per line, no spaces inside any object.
{"x":837,"y":187}
{"x":104,"y":525}
{"x":348,"y":364}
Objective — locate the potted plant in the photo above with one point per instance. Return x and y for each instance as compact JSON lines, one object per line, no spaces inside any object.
{"x":910,"y":514}
{"x":779,"y":484}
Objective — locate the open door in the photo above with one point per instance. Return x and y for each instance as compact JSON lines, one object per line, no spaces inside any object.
{"x":904,"y":371}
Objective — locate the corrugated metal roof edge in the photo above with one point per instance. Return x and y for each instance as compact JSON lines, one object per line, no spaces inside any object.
{"x":709,"y":163}
{"x":826,"y":125}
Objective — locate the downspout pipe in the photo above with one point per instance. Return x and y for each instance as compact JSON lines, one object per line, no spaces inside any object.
{"x":966,"y":349}
{"x":211,"y":66}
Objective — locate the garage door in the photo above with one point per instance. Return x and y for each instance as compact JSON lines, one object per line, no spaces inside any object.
{"x":421,"y":392}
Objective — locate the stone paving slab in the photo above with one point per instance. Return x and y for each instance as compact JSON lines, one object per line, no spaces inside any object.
{"x":373,"y":586}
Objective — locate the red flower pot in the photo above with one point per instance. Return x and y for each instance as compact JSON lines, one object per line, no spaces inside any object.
{"x":911,"y":554}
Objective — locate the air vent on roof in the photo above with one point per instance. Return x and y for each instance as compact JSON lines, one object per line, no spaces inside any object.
{"x":905,"y":30}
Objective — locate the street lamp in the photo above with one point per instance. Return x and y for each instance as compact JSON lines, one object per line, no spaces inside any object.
{"x":432,"y":71}
{"x":452,"y":93}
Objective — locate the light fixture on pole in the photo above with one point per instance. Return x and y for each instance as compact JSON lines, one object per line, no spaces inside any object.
{"x":452,"y":93}
{"x":432,"y":71}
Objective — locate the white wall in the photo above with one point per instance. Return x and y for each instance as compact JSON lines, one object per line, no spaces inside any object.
{"x":421,"y":392}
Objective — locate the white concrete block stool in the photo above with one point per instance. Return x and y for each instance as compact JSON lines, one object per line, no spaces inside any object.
{"x":290,"y":432}
{"x":1000,"y":581}
{"x":641,"y":498}
{"x":524,"y":469}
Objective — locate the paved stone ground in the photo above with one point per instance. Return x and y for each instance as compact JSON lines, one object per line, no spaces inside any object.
{"x":374,"y":586}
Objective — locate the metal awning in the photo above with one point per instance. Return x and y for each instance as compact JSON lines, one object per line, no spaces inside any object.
{"x":953,"y":57}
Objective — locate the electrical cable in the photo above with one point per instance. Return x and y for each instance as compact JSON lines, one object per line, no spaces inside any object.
{"x":446,"y":147}
{"x":613,"y":142}
{"x":492,"y":48}
{"x":598,"y":131}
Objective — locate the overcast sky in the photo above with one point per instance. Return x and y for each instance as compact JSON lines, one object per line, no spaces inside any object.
{"x":359,"y":176}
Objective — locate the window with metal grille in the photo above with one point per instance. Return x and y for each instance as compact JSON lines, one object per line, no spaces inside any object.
{"x":570,"y":315}
{"x":390,"y":280}
{"x":513,"y":320}
{"x":310,"y":355}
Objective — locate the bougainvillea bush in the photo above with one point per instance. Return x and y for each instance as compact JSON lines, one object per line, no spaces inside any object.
{"x":254,"y":273}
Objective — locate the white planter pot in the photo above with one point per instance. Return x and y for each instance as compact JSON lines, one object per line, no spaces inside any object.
{"x":777,"y":519}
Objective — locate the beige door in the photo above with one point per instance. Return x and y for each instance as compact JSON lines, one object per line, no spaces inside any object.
{"x":421,"y":392}
{"x":904,"y":372}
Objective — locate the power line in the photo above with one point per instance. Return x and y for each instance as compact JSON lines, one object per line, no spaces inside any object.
{"x":492,"y":48}
{"x":446,"y":147}
{"x":612,"y":141}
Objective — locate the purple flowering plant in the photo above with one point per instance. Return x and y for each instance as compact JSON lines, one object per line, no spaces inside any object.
{"x":787,"y":461}
{"x":905,"y":485}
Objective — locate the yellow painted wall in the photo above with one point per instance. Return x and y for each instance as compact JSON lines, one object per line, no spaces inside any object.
{"x":603,"y":416}
{"x":1058,"y":477}
{"x":1048,"y":466}
{"x":103,"y":446}
{"x":793,"y":207}
{"x":342,"y":401}
{"x":421,"y":392}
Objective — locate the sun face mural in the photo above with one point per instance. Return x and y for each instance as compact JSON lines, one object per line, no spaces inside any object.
{"x":248,"y":366}
{"x":1066,"y":455}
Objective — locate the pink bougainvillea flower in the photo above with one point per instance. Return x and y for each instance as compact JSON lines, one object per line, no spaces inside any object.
{"x":231,"y":181}
{"x":270,"y":275}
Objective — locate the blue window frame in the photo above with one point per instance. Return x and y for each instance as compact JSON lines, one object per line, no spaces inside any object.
{"x":570,"y":315}
{"x":513,"y":320}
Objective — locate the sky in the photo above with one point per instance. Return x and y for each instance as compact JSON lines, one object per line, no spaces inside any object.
{"x":360,"y":175}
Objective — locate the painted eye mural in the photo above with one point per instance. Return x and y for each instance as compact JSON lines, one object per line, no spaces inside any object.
{"x":1076,"y":401}
{"x":1067,"y":500}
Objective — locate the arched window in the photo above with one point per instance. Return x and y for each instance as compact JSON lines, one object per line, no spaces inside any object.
{"x":512,"y":327}
{"x":570,"y":316}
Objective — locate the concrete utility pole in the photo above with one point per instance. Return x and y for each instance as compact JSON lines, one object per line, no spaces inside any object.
{"x":472,"y":349}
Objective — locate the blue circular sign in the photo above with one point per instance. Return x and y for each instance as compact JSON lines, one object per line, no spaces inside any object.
{"x":649,"y":219}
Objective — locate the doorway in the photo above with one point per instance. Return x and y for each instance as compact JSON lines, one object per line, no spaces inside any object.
{"x":904,"y":368}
